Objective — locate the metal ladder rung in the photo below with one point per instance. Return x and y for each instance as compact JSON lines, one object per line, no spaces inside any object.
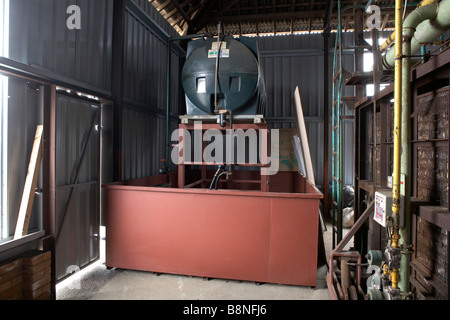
{"x":336,"y":102}
{"x":335,"y":77}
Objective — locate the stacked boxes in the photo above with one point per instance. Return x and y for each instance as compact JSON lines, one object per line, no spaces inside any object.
{"x":26,"y":277}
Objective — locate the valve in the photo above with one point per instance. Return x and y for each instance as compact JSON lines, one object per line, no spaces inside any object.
{"x":393,"y":257}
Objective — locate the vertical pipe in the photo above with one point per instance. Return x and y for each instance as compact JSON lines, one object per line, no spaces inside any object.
{"x":333,"y":141}
{"x":326,"y":205}
{"x":376,"y":88}
{"x":216,"y":77}
{"x":49,"y":181}
{"x":168,"y":78}
{"x":423,"y":52}
{"x":117,"y":83}
{"x":397,"y":132}
{"x":340,"y":148}
{"x":405,"y":230}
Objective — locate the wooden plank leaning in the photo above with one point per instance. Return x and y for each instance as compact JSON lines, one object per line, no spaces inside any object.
{"x":26,"y":205}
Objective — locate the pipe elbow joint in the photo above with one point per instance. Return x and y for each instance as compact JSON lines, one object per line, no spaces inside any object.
{"x":386,"y":65}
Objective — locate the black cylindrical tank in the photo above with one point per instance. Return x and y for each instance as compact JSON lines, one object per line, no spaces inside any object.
{"x":239,"y":77}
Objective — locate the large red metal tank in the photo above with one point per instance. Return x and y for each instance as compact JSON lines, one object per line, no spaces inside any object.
{"x":231,"y":234}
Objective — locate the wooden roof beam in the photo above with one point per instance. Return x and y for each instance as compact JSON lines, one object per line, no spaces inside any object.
{"x":181,"y":11}
{"x":163,"y":6}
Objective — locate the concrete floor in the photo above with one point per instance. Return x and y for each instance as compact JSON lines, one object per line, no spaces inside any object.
{"x":97,"y":283}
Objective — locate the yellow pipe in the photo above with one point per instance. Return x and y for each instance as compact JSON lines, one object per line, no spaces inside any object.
{"x":395,"y":278}
{"x":397,"y":132}
{"x":397,"y":111}
{"x":391,"y":38}
{"x":395,"y":274}
{"x":388,"y":42}
{"x":426,"y":2}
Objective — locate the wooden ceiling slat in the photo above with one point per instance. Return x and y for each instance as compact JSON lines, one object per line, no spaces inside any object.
{"x":254,"y":16}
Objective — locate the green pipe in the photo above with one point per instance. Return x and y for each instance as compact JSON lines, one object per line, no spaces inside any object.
{"x":340,"y":145}
{"x":333,"y":139}
{"x":423,"y":52}
{"x":424,"y":24}
{"x":405,"y":168}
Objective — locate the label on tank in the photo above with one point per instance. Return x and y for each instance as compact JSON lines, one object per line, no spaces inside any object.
{"x":224,"y":52}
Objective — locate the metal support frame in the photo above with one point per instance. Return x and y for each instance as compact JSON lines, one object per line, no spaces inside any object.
{"x":337,"y":292}
{"x":337,"y":134}
{"x":74,"y":182}
{"x":117,"y":84}
{"x":326,"y":39}
{"x":264,"y":179}
{"x":422,"y":75}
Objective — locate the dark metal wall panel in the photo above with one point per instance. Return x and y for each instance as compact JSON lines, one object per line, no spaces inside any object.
{"x":143,"y":143}
{"x":24,"y":115}
{"x":39,"y":37}
{"x":145,"y":92}
{"x":77,"y":199}
{"x":93,"y":55}
{"x":76,"y":114}
{"x":145,"y":68}
{"x":77,"y":245}
{"x":291,"y":61}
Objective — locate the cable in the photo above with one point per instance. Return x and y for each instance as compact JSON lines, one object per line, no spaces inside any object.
{"x":215,"y":177}
{"x":404,"y":9}
{"x":217,"y":66}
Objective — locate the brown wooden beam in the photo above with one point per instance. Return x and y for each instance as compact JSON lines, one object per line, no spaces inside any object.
{"x":163,"y":6}
{"x":29,"y":190}
{"x":181,"y":11}
{"x":361,"y":220}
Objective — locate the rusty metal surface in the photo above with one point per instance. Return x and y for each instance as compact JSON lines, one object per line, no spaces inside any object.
{"x":433,"y":115}
{"x":431,"y":248}
{"x":425,"y":174}
{"x":442,"y":176}
{"x":390,"y":136}
{"x":335,"y":284}
{"x":432,"y":174}
{"x":242,"y":235}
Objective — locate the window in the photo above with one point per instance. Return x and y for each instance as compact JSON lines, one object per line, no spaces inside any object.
{"x":3,"y":157}
{"x":368,"y":66}
{"x":4,"y":52}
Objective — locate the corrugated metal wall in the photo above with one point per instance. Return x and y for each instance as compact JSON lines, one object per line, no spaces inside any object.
{"x":24,"y":115}
{"x":77,"y":183}
{"x":291,"y":61}
{"x":39,"y":37}
{"x":143,"y":132}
